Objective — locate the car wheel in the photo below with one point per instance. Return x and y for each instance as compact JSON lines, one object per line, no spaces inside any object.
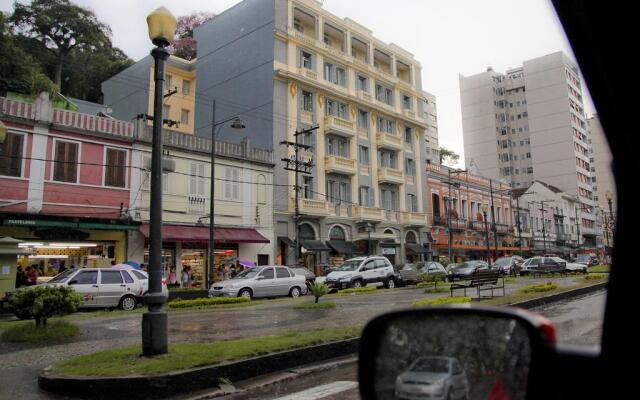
{"x":128,"y":303}
{"x":294,"y":292}
{"x":246,"y":292}
{"x":390,"y":283}
{"x":356,"y":284}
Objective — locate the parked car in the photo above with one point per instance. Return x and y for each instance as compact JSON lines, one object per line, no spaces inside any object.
{"x":102,"y":287}
{"x":573,"y":267}
{"x":432,"y":269}
{"x":360,"y":271}
{"x":310,"y":277}
{"x":263,"y":281}
{"x":587,"y":259}
{"x":433,"y":378}
{"x":406,"y":274}
{"x":547,"y":264}
{"x":451,"y":267}
{"x":509,"y":265}
{"x":144,"y":280}
{"x":466,"y":269}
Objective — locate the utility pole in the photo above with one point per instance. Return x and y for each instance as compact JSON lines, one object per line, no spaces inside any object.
{"x":518,"y":216}
{"x":544,"y":230}
{"x":296,"y":165}
{"x":493,"y":221}
{"x":578,"y":231}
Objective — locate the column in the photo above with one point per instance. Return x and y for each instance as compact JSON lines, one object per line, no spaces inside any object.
{"x":347,"y":45}
{"x":393,"y":66}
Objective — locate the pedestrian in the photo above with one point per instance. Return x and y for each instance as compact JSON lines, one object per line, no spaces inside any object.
{"x":62,"y":267}
{"x":173,"y":280}
{"x":185,"y":277}
{"x":21,"y":277}
{"x":221,"y":273}
{"x":32,"y":275}
{"x":143,"y":267}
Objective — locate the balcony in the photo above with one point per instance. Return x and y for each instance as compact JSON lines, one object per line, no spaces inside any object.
{"x":390,"y":175}
{"x":478,"y":226}
{"x":389,"y":141}
{"x":504,"y":229}
{"x":410,"y":180}
{"x":311,"y":41}
{"x":197,"y":204}
{"x":308,"y":73}
{"x":408,"y":113}
{"x":340,"y":165}
{"x":413,"y":219}
{"x":363,"y":95}
{"x":368,"y":213}
{"x":392,"y":216}
{"x":458,"y":224}
{"x":314,"y":207}
{"x":339,"y":126}
{"x":563,"y":237}
{"x":439,"y":220}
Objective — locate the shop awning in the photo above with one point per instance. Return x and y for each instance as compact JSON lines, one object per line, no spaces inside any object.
{"x":416,"y":248}
{"x":184,"y":233}
{"x":343,"y":247}
{"x":314,"y":245}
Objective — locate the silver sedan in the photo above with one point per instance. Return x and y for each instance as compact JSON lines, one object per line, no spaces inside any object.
{"x":263,"y":281}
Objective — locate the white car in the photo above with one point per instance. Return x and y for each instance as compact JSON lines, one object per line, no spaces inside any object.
{"x":102,"y":287}
{"x":573,"y":267}
{"x":262,"y":281}
{"x":144,"y":280}
{"x":360,"y":271}
{"x":433,"y":378}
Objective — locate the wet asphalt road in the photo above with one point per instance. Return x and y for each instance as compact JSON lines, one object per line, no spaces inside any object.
{"x":577,"y":321}
{"x":19,"y":364}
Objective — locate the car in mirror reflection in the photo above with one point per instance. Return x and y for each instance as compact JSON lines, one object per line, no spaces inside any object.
{"x":433,"y":378}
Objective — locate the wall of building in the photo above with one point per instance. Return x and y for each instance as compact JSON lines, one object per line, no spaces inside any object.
{"x":602,"y":163}
{"x":127,"y":93}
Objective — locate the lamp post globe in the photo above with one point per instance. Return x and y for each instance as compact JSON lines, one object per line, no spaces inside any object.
{"x":162,"y":27}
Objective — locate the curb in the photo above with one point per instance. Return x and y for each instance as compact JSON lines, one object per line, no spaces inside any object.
{"x":528,"y":304}
{"x":209,"y":377}
{"x":164,"y":385}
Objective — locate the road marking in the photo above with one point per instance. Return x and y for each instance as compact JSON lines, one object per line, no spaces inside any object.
{"x":321,"y":391}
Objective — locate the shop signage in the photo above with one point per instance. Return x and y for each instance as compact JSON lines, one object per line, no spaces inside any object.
{"x":388,"y":251}
{"x":66,"y":224}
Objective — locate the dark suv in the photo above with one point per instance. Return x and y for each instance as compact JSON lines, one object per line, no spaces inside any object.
{"x":509,"y":265}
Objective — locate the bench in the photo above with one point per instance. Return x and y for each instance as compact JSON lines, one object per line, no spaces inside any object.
{"x":482,"y":281}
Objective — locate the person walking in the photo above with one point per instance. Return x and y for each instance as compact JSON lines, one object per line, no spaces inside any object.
{"x":173,"y":279}
{"x":185,"y":277}
{"x":32,"y":275}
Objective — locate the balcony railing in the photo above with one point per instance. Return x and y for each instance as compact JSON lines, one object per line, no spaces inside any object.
{"x":338,"y":125}
{"x":197,"y":204}
{"x":392,"y":216}
{"x":414,"y":219}
{"x":302,"y":37}
{"x":501,"y":228}
{"x":368,"y":213}
{"x":390,"y":175}
{"x":408,"y":113}
{"x":340,"y":165}
{"x":314,"y":207}
{"x":363,"y":95}
{"x":388,"y":140}
{"x":308,"y":73}
{"x":478,"y":226}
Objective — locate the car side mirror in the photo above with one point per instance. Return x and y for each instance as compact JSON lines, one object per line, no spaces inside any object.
{"x":73,"y":282}
{"x":495,"y":348}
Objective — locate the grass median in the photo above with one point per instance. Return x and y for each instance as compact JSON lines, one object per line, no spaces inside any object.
{"x":441,"y":301}
{"x":127,"y":361}
{"x":26,"y":332}
{"x":315,"y":306}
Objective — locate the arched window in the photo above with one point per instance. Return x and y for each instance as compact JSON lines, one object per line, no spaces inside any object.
{"x":306,"y":232}
{"x":337,"y":233}
{"x":262,"y":189}
{"x":411,"y":237}
{"x":389,"y":231}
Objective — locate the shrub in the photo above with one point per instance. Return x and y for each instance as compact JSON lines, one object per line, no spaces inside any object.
{"x":431,"y":278}
{"x":441,"y":301}
{"x":544,"y":287}
{"x":318,"y":290}
{"x":593,"y":277}
{"x":43,"y":302}
{"x":207,"y":302}
{"x":366,"y":289}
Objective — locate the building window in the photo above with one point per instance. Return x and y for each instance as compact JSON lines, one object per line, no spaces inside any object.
{"x":412,"y":203}
{"x":336,"y":109}
{"x":307,"y":101}
{"x":262,"y":189}
{"x":337,"y":233}
{"x":11,"y":155}
{"x":387,"y":159}
{"x":363,"y":83}
{"x":385,"y":125}
{"x":337,"y":146}
{"x":66,"y":162}
{"x":367,"y":196}
{"x":186,"y":87}
{"x":363,"y":119}
{"x":166,"y":110}
{"x":307,"y":187}
{"x":408,"y":135}
{"x":338,"y":192}
{"x":184,"y":117}
{"x":335,"y":74}
{"x":306,"y":60}
{"x":168,"y":82}
{"x":115,"y":171}
{"x":364,"y":155}
{"x":196,"y":180}
{"x":232,"y":184}
{"x":410,"y":167}
{"x":390,"y":199}
{"x":406,"y":102}
{"x":384,"y":95}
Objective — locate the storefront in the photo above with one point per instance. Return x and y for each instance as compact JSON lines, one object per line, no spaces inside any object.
{"x":415,"y":252}
{"x":186,"y":248}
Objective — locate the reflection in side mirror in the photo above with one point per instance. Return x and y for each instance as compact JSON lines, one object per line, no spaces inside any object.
{"x":448,"y":353}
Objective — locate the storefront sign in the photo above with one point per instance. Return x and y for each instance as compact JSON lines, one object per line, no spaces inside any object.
{"x":388,"y":251}
{"x":66,"y":224}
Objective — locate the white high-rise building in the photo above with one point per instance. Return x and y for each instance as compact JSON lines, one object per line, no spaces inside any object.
{"x":528,"y":124}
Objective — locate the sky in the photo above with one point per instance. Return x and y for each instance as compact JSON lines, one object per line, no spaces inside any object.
{"x":447,"y":37}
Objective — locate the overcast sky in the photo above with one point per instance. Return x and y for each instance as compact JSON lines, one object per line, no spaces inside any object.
{"x":447,"y":37}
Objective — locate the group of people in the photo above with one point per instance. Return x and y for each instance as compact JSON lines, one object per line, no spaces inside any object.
{"x":186,"y":277}
{"x":28,"y":276}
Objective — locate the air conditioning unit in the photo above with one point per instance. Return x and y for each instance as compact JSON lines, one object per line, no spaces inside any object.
{"x":168,"y":164}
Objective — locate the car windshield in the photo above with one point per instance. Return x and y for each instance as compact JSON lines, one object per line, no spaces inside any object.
{"x":247,"y":274}
{"x":503,"y":261}
{"x":468,"y":264}
{"x":62,"y":277}
{"x":350,"y":265}
{"x":438,"y":365}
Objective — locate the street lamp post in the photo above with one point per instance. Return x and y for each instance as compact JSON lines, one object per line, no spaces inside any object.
{"x":450,"y":236}
{"x":162,"y":26}
{"x":486,"y":232}
{"x":369,"y":228}
{"x":236,"y":124}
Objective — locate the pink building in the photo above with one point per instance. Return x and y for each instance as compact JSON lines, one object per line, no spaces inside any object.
{"x":65,"y":184}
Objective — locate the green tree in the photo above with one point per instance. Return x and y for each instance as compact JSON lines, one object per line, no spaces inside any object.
{"x":61,"y":28}
{"x":318,"y":290}
{"x":448,"y":157}
{"x":17,"y":67}
{"x":43,"y":302}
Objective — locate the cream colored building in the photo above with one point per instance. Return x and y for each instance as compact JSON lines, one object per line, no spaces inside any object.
{"x":243,"y":202}
{"x":601,"y":160}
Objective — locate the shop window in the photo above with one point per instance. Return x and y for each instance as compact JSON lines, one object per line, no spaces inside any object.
{"x":115,"y":171}
{"x":337,"y":233}
{"x":306,"y":232}
{"x":66,"y":162}
{"x":11,"y":155}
